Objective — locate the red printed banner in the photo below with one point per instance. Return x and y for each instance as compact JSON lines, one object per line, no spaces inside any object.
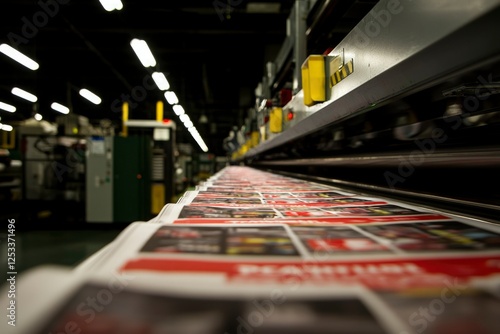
{"x":375,"y":274}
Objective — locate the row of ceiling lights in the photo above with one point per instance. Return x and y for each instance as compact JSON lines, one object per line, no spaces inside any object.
{"x":33,"y":65}
{"x":147,"y":59}
{"x":145,"y":56}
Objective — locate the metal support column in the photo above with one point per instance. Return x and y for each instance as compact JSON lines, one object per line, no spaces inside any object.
{"x":299,"y":28}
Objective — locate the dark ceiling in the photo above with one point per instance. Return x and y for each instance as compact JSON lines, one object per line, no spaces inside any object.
{"x":213,"y":52}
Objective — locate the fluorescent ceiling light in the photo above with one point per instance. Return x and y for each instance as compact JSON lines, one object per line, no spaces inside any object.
{"x":143,"y":52}
{"x":161,"y":81}
{"x":203,"y":146}
{"x":60,"y":108}
{"x":192,"y":130}
{"x":24,"y":94}
{"x":200,"y":141}
{"x":188,"y":124}
{"x":178,"y":110}
{"x":6,"y":127}
{"x":7,"y":107}
{"x":171,"y":98}
{"x":38,"y":117}
{"x":110,"y":5}
{"x":184,"y":118}
{"x":19,"y":57}
{"x":90,"y":96}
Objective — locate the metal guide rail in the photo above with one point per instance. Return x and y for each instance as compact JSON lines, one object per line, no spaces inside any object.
{"x":419,"y":118}
{"x":459,"y":198}
{"x":424,"y":119}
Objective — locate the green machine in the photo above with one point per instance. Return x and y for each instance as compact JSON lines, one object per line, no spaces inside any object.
{"x":118,"y":179}
{"x":130,"y":178}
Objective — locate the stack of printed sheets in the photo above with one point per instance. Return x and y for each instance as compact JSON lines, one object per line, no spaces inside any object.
{"x":255,"y":252}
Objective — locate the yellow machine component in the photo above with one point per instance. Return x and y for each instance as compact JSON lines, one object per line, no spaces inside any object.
{"x":8,"y":139}
{"x":249,"y":143}
{"x":254,"y":140}
{"x":342,"y":73}
{"x":276,"y":120}
{"x":335,"y":63}
{"x":263,"y":133}
{"x":243,"y":149}
{"x":157,"y":197}
{"x":124,"y":119}
{"x":314,"y":79}
{"x":159,"y":111}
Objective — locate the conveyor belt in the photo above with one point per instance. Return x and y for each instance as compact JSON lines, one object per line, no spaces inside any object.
{"x":257,"y":252}
{"x":471,"y":208}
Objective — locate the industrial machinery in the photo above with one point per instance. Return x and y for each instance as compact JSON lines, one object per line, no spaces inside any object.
{"x":402,"y":118}
{"x":117,"y":186}
{"x":406,"y":105}
{"x":130,"y":177}
{"x":162,"y":140}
